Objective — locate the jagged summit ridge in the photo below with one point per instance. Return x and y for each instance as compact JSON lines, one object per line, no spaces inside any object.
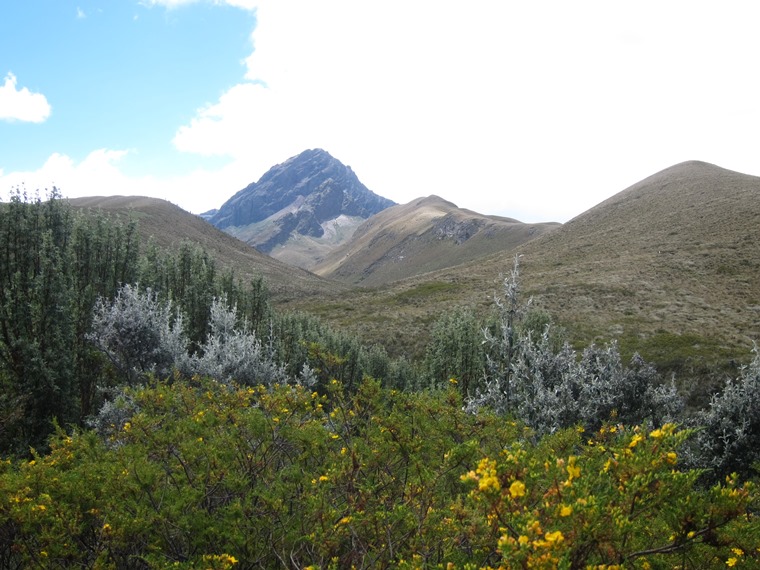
{"x":298,"y":197}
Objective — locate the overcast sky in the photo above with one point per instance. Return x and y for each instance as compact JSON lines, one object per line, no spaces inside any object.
{"x":535,"y":110}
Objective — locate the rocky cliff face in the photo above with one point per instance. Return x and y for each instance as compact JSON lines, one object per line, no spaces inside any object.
{"x":297,"y":198}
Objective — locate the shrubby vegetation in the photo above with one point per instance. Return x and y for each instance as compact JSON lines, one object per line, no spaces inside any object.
{"x":208,"y":475}
{"x":83,"y":312}
{"x":54,"y":263}
{"x":156,"y":412}
{"x":523,"y":368}
{"x":728,"y":436}
{"x":139,"y":334}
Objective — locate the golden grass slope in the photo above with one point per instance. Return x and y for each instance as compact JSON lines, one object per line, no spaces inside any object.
{"x":676,"y":252}
{"x":669,"y":266}
{"x":427,"y":234}
{"x":169,"y":225}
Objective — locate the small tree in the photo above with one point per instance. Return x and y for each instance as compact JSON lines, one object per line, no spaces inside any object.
{"x":501,"y":345}
{"x":455,"y":351}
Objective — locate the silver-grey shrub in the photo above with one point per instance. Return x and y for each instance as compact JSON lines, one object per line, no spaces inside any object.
{"x":727,"y":439}
{"x":233,"y":352}
{"x":138,"y":333}
{"x":549,"y":387}
{"x":142,"y":335}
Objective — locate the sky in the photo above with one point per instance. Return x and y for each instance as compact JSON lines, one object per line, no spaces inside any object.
{"x":533,"y":110}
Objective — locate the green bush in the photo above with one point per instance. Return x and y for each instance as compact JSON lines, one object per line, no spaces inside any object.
{"x":210,"y":475}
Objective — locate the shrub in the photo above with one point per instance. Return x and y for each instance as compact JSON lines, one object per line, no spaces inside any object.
{"x":139,"y":334}
{"x":615,"y":501}
{"x":208,"y":475}
{"x":547,"y":386}
{"x":728,"y":440}
{"x":233,"y":352}
{"x":455,"y":352}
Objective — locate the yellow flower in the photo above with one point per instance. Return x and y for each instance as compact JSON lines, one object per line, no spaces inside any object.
{"x":635,"y":440}
{"x":485,"y":474}
{"x":555,"y":536}
{"x":517,"y":489}
{"x":671,"y":457}
{"x":731,"y":561}
{"x":453,"y":381}
{"x":656,"y":434}
{"x":489,"y":481}
{"x":566,"y":511}
{"x":738,"y":551}
{"x":323,"y":478}
{"x":572,"y":470}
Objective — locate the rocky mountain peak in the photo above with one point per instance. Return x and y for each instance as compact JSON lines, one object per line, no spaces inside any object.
{"x":297,"y":197}
{"x":313,"y":181}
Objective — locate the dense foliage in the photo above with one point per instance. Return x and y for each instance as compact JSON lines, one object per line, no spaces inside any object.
{"x":83,"y":311}
{"x":154,"y":411}
{"x":201,"y":474}
{"x":54,"y":264}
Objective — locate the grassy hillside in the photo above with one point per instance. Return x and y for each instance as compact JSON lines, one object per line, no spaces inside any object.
{"x":424,"y":235}
{"x":669,"y":266}
{"x":168,"y":225}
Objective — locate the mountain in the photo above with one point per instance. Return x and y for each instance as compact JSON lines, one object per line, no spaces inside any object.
{"x":301,"y":209}
{"x":668,"y":267}
{"x":424,"y":235}
{"x":169,"y":225}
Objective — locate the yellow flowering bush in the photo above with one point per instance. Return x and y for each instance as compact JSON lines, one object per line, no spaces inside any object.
{"x":215,"y":476}
{"x":615,"y":500}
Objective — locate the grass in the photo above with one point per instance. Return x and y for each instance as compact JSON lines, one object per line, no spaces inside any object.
{"x":424,"y":292}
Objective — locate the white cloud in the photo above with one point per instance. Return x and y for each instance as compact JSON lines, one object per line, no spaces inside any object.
{"x":533,"y":110}
{"x":536,"y":110}
{"x":99,"y":174}
{"x":80,"y":14}
{"x":22,"y":104}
